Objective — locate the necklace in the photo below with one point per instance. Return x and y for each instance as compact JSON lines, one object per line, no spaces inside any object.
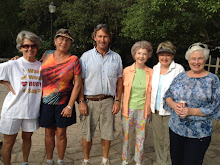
{"x":140,"y":75}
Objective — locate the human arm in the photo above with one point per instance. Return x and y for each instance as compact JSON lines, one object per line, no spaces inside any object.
{"x":42,"y":58}
{"x":117,"y":104}
{"x":8,"y":84}
{"x":67,"y":112}
{"x":15,"y":57}
{"x":175,"y":106}
{"x":45,"y":54}
{"x":83,"y":109}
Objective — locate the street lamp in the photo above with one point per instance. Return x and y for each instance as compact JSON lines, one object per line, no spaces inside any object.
{"x":52,"y":9}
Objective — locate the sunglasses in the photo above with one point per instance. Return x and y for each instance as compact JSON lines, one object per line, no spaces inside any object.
{"x":100,"y":25}
{"x":198,"y":44}
{"x":28,"y":46}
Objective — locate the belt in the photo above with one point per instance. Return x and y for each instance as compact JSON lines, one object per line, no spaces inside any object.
{"x":97,"y":97}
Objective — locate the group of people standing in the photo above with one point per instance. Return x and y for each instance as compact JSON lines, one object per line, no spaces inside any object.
{"x":44,"y":95}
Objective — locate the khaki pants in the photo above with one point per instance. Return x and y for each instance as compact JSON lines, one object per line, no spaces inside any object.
{"x":161,"y":138}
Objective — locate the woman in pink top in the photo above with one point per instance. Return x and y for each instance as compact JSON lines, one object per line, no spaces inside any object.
{"x":136,"y":102}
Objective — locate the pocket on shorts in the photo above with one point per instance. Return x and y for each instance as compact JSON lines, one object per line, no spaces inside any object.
{"x":83,"y":123}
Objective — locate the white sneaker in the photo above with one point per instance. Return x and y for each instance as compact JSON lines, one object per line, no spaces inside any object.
{"x":50,"y":163}
{"x":85,"y":163}
{"x":107,"y":163}
{"x":124,"y":163}
{"x":61,"y":163}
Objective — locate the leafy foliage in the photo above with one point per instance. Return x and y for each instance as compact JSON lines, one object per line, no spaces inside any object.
{"x":180,"y":21}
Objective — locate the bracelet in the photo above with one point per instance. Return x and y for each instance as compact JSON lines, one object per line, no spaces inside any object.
{"x":118,"y":101}
{"x":83,"y":101}
{"x":69,"y":107}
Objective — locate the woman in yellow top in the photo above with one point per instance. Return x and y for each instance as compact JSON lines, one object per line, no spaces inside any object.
{"x":136,"y":102}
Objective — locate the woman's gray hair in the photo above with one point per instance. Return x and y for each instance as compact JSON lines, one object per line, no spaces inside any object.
{"x":29,"y":35}
{"x":197,"y":47}
{"x":142,"y":45}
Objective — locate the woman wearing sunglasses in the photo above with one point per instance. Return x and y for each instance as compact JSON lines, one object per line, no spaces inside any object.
{"x":22,"y":104}
{"x":164,"y":73}
{"x":194,"y":98}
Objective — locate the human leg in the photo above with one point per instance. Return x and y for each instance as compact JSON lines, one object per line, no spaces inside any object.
{"x":50,"y":141}
{"x":157,"y":128}
{"x":140,"y":129}
{"x":105,"y":147}
{"x":8,"y":143}
{"x":194,"y":150}
{"x":166,"y":141}
{"x":176,"y":148}
{"x":88,"y":126}
{"x":61,"y":142}
{"x":127,"y":133}
{"x":28,"y":127}
{"x":26,"y":145}
{"x":86,"y":148}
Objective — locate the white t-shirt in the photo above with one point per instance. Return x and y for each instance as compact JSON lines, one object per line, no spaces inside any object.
{"x":25,"y":78}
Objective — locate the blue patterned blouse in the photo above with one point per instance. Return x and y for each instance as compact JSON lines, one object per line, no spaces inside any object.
{"x":203,"y":93}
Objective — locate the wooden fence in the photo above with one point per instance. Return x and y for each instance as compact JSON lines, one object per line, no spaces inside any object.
{"x":216,"y":66}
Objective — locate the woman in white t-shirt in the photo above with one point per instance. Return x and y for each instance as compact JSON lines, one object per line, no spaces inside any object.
{"x":164,"y":73}
{"x":22,"y":104}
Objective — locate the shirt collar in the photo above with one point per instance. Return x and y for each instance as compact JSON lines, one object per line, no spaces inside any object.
{"x":134,"y":70}
{"x":108,"y":52}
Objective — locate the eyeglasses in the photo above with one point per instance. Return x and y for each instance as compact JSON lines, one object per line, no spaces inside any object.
{"x":198,"y":44}
{"x":28,"y":46}
{"x":100,"y":25}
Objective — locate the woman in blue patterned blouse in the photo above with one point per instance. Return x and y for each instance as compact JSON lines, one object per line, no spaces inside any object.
{"x":191,"y":126}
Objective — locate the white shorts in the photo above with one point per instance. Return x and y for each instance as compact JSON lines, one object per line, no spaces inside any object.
{"x":12,"y":126}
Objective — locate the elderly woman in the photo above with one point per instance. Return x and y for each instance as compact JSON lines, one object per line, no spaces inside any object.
{"x":164,"y":73}
{"x":59,"y":70}
{"x":136,"y":102}
{"x":191,"y":125}
{"x":22,"y":104}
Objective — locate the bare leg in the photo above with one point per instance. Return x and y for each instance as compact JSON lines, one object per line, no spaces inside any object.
{"x":9,"y":141}
{"x":50,"y":141}
{"x":86,"y":148}
{"x":105,"y":147}
{"x":61,"y":142}
{"x":26,"y":145}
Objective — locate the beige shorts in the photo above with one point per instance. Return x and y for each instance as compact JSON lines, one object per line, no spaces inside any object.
{"x":12,"y":126}
{"x":99,"y":113}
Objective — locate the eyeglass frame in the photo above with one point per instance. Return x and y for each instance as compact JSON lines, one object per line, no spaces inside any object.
{"x":27,"y":46}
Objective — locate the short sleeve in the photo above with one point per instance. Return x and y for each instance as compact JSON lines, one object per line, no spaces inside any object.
{"x":77,"y":66}
{"x":83,"y":66}
{"x":5,"y":70}
{"x":119,"y":74}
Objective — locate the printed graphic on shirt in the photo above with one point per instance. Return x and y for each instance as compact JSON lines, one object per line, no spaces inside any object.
{"x":30,"y":81}
{"x":58,"y":79}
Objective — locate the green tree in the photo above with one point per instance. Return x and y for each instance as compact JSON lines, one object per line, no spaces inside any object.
{"x":8,"y":28}
{"x":183,"y":22}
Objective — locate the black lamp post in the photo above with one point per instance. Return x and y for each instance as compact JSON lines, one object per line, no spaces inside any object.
{"x":52,"y":10}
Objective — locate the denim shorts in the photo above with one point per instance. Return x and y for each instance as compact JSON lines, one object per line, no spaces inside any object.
{"x":50,"y":115}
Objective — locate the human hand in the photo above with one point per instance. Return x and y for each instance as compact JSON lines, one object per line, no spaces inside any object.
{"x":177,"y":108}
{"x":15,"y":57}
{"x":8,"y":84}
{"x":116,"y":107}
{"x":184,"y":112}
{"x":66,"y":112}
{"x":83,"y":109}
